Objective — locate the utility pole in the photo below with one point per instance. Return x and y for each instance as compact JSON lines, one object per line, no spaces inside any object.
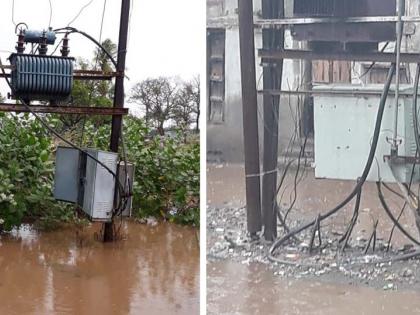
{"x":272,"y":79}
{"x":250,"y":115}
{"x":118,"y":96}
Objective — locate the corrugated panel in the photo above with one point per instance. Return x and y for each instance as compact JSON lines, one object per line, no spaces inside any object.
{"x":36,"y":77}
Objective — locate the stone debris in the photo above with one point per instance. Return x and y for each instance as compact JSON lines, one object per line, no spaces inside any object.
{"x":227,"y":239}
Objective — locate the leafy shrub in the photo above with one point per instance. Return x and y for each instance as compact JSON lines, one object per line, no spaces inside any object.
{"x":167,"y":179}
{"x":26,"y":174}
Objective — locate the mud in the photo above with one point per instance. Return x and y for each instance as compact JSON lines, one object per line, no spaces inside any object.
{"x":153,"y":270}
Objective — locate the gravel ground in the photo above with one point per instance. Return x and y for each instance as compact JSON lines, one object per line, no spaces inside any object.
{"x":227,"y":240}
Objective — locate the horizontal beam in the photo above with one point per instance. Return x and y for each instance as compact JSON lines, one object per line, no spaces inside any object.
{"x":331,"y":92}
{"x":70,"y":110}
{"x":274,"y":23}
{"x":269,"y":55}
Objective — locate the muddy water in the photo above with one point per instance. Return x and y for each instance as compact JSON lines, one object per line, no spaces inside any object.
{"x":233,"y":288}
{"x":155,"y":270}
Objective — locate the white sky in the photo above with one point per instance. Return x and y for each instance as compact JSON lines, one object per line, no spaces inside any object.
{"x":166,"y":37}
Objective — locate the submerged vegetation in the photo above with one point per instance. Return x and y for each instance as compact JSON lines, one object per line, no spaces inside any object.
{"x":166,"y":180}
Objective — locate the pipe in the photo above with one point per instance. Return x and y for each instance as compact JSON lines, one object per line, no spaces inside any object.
{"x":399,"y":30}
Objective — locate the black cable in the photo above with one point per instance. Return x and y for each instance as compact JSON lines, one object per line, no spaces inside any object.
{"x":301,"y":153}
{"x":75,"y":30}
{"x":365,"y":173}
{"x":391,"y":216}
{"x":373,"y":63}
{"x":80,"y":12}
{"x":393,"y":191}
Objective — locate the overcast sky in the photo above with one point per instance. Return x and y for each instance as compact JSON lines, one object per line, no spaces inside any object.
{"x":166,"y":36}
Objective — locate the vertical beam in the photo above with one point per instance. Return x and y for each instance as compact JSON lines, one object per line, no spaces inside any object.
{"x":250,"y":115}
{"x":272,"y":79}
{"x":119,"y":94}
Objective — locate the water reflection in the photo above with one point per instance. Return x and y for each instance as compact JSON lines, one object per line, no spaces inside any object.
{"x":233,"y":288}
{"x":154,"y":271}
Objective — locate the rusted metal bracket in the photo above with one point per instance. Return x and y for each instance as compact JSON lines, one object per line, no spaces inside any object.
{"x":356,"y":92}
{"x":70,"y":110}
{"x":84,"y":75}
{"x":268,"y":55}
{"x":402,"y":159}
{"x":276,"y":23}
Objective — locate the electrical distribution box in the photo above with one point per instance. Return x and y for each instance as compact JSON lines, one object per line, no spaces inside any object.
{"x":344,"y":126}
{"x":81,"y":180}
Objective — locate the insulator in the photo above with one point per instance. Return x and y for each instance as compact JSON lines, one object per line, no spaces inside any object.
{"x":36,"y":77}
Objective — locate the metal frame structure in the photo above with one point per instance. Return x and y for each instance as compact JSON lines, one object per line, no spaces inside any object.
{"x":271,"y":57}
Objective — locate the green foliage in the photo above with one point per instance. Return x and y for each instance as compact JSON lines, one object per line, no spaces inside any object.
{"x":167,"y":182}
{"x":26,"y":174}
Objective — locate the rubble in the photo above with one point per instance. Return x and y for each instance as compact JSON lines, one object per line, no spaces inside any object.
{"x":227,"y":240}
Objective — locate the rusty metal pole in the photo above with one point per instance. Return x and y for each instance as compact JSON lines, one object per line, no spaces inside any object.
{"x":272,"y":79}
{"x":250,"y":115}
{"x":119,"y":95}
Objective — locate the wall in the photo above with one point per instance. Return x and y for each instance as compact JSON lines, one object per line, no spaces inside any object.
{"x":225,"y":140}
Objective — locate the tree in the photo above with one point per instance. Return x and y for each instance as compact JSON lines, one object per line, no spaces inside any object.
{"x":157,"y":98}
{"x":92,"y":92}
{"x":187,"y":109}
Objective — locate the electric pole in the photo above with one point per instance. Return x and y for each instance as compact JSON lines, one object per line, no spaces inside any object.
{"x":118,"y":97}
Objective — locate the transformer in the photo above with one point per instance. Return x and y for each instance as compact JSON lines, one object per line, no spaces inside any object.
{"x":81,"y":180}
{"x":41,"y":77}
{"x":364,"y":36}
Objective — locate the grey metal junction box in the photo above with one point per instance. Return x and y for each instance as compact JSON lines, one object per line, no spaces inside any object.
{"x":127,"y":182}
{"x":80,"y":179}
{"x":344,"y":126}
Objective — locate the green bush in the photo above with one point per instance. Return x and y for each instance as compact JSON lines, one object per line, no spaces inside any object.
{"x":166,"y":180}
{"x":26,"y":174}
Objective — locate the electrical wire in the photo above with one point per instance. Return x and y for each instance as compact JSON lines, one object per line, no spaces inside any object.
{"x":13,"y":13}
{"x":80,"y":12}
{"x":363,"y":178}
{"x":391,"y":216}
{"x":70,"y":30}
{"x":51,"y":12}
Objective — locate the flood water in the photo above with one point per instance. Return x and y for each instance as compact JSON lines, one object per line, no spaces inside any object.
{"x":154,"y":270}
{"x":233,"y":288}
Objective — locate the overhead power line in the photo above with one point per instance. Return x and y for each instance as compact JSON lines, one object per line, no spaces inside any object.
{"x":80,"y":12}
